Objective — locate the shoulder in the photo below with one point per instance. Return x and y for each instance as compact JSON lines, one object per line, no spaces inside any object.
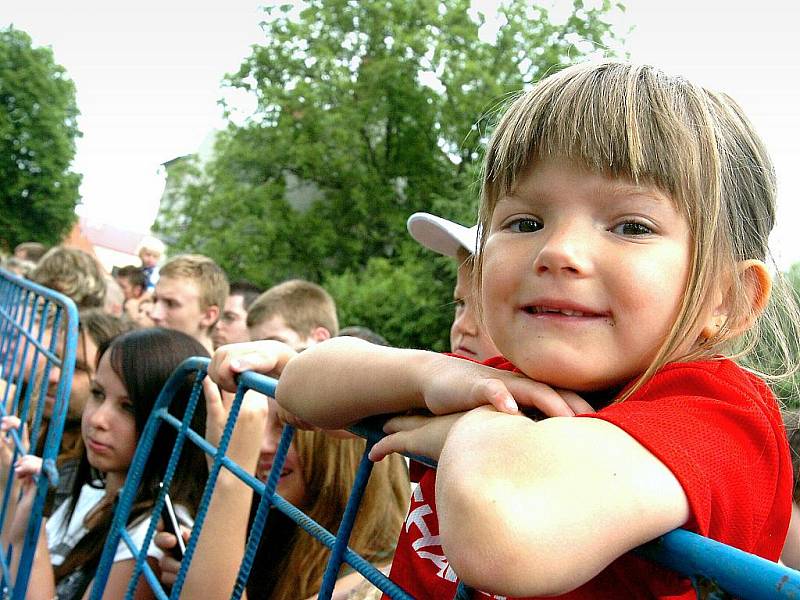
{"x":718,"y":429}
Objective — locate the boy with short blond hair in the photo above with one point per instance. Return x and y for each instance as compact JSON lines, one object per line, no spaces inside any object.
{"x":296,"y":312}
{"x":189,"y":296}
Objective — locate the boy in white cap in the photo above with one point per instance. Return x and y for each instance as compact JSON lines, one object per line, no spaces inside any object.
{"x":467,"y":337}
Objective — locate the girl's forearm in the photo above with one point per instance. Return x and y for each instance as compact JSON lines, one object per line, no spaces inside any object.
{"x":41,"y":585}
{"x":543,"y":507}
{"x":221,"y":545}
{"x":344,"y":380}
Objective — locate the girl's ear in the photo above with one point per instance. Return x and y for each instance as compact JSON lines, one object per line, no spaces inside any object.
{"x":756,"y":282}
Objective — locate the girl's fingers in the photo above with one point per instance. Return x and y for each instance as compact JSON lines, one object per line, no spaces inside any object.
{"x":575,"y":402}
{"x":495,"y":392}
{"x":404,"y":423}
{"x":541,"y":396}
{"x":386,"y":446}
{"x":214,"y":403}
{"x":9,"y":422}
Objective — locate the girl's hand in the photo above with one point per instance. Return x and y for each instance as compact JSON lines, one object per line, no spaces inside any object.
{"x":19,"y":524}
{"x":169,"y":564}
{"x":251,"y":421}
{"x":416,"y":434}
{"x":266,"y":356}
{"x":456,"y":385}
{"x":8,"y":423}
{"x":425,"y":435}
{"x":28,"y":467}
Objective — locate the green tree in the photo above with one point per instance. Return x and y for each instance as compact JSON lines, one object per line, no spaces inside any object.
{"x":38,"y":127}
{"x":378,"y":109}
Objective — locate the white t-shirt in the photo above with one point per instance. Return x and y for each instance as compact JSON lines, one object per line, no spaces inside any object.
{"x":60,"y":542}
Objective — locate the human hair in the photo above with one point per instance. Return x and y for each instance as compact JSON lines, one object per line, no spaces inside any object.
{"x":364,"y":333}
{"x":134,"y":275}
{"x":32,"y":251}
{"x":20,"y":266}
{"x":151,"y":244}
{"x":211,"y":280}
{"x":248,"y":291}
{"x":74,"y":273}
{"x":302,"y":305}
{"x":637,"y":123}
{"x":329,"y":468}
{"x":791,"y":421}
{"x":143,"y":360}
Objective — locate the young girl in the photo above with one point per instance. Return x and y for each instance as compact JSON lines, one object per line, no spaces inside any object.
{"x":130,"y":373}
{"x":625,"y":216}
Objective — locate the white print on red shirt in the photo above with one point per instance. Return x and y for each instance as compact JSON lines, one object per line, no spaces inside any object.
{"x":429,"y":539}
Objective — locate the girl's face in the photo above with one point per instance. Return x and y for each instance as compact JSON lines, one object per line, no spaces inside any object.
{"x":291,"y":485}
{"x":583,"y":276}
{"x":108,"y":425}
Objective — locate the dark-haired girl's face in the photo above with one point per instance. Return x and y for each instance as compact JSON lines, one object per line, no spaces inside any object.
{"x":108,"y":424}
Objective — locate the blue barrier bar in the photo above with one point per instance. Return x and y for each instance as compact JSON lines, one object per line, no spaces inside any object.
{"x":37,"y":325}
{"x":713,"y":568}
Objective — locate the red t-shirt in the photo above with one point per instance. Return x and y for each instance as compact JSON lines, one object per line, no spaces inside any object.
{"x":719,"y":431}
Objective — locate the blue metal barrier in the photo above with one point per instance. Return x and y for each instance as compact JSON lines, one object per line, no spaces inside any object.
{"x":38,"y":332}
{"x":711,"y":566}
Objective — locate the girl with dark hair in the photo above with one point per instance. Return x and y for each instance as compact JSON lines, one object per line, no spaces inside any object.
{"x":131,"y":371}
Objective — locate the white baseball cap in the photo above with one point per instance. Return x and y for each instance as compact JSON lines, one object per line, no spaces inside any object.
{"x":441,"y":235}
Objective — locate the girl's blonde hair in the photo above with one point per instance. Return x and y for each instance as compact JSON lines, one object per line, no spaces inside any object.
{"x":329,"y":468}
{"x":638,"y":123}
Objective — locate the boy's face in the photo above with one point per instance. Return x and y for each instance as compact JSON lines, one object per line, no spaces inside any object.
{"x":149,"y":258}
{"x":176,"y":305}
{"x":583,"y":276}
{"x":467,"y":337}
{"x":275,"y":328}
{"x":232,"y":325}
{"x":128,"y":289}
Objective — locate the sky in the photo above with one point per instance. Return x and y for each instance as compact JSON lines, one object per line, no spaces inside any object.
{"x":148,"y":80}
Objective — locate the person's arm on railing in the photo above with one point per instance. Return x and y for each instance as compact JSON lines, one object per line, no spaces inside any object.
{"x":221,"y":544}
{"x":548,"y":504}
{"x":358,"y":379}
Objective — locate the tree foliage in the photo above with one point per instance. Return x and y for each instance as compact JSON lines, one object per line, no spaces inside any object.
{"x":38,"y":127}
{"x":378,"y":109}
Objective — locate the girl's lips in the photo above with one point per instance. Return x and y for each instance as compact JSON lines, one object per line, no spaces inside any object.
{"x":96,"y":446}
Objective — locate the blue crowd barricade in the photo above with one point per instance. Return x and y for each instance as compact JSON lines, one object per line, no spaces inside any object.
{"x":38,"y":332}
{"x":714,"y":568}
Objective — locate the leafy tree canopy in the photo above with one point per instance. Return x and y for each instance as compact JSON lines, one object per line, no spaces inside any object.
{"x":38,"y":127}
{"x":367,"y":112}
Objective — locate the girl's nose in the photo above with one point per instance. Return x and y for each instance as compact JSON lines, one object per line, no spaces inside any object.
{"x":566,"y":250}
{"x":97,"y":415}
{"x":272,"y":437}
{"x":53,"y":375}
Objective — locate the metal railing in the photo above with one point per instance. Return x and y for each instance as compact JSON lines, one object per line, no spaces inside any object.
{"x":711,"y":566}
{"x":38,"y":333}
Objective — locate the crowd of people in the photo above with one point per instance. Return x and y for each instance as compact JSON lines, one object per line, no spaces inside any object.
{"x":590,"y":402}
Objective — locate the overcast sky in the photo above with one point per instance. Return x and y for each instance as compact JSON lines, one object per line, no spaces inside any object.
{"x":147,"y":75}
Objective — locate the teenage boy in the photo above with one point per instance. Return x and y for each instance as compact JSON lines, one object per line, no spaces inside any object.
{"x":467,"y":337}
{"x":132,"y":280}
{"x":189,"y":296}
{"x":232,"y":325}
{"x":296,"y":312}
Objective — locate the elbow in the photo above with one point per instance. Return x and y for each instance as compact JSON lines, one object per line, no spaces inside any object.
{"x":487,"y":550}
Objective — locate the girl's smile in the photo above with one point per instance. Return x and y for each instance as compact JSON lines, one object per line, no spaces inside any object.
{"x":583,"y":275}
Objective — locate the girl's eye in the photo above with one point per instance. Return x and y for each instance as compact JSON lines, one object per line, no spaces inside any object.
{"x":128,"y":407}
{"x":98,"y":393}
{"x":525,"y":225}
{"x":632,"y":228}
